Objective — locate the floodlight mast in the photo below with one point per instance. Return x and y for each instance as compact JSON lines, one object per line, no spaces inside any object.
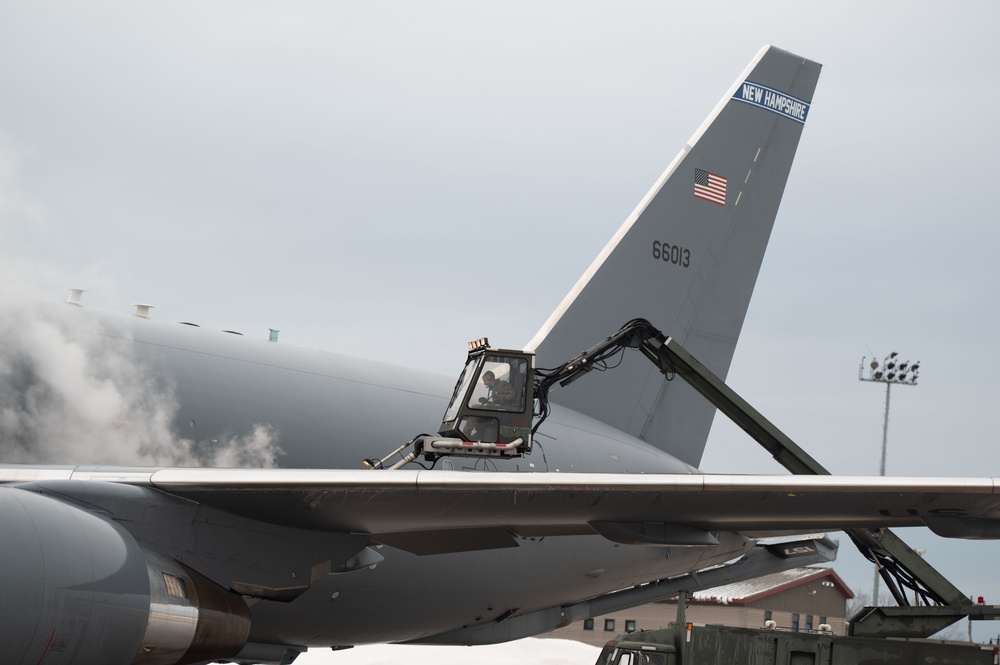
{"x":891,"y":371}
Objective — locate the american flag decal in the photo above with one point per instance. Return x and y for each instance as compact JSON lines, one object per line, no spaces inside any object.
{"x":710,"y":187}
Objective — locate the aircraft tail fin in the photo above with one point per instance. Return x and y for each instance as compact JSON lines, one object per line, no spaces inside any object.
{"x":687,"y":258}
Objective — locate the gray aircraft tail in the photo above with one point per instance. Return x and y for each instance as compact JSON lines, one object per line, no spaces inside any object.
{"x":687,"y":259}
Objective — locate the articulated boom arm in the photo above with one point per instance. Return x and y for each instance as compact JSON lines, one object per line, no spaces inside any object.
{"x":637,"y":334}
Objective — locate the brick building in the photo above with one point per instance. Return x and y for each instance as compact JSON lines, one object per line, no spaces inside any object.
{"x":800,"y":599}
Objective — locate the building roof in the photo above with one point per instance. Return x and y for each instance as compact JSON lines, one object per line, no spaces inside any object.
{"x":741,"y":593}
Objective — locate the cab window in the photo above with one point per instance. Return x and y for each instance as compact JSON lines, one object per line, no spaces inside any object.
{"x":501,"y":385}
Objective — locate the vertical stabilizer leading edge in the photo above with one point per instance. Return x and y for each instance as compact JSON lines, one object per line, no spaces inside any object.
{"x":687,"y":258}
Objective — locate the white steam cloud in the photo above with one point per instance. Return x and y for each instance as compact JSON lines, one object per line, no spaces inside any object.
{"x":72,"y":393}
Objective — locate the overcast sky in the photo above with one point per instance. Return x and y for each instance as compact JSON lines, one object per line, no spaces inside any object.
{"x":334,"y":169}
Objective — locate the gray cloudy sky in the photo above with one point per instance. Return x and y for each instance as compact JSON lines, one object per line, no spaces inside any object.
{"x":334,"y":169}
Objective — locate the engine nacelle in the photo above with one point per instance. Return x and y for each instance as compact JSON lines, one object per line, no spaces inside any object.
{"x":78,"y":588}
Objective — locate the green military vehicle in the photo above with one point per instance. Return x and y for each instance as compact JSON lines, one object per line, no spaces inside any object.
{"x":691,"y":644}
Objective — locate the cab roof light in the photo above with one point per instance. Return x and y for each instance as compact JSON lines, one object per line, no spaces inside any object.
{"x":481,"y":343}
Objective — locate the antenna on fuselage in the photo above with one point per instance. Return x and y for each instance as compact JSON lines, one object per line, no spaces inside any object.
{"x":74,"y":296}
{"x":142,"y":310}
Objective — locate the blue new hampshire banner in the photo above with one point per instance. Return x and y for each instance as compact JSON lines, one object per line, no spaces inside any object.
{"x":772,"y":100}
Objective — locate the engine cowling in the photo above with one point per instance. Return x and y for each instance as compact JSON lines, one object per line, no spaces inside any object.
{"x":77,"y":588}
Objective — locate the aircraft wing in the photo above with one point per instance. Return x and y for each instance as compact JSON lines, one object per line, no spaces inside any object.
{"x":432,"y":511}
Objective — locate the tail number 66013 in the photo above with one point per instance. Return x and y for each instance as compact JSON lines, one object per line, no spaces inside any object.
{"x":668,"y":253}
